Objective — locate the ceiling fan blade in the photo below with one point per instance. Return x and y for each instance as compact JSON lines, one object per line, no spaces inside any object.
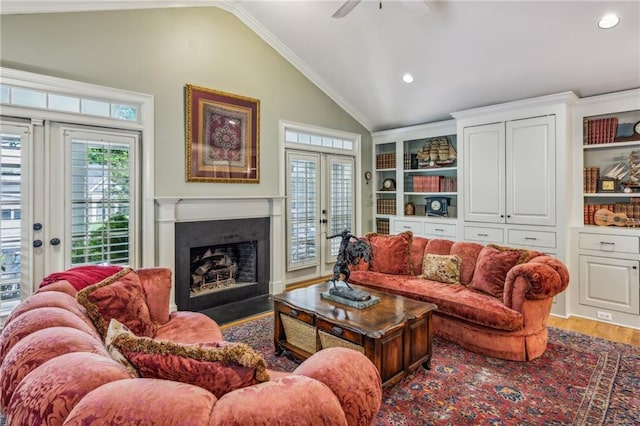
{"x":345,"y":8}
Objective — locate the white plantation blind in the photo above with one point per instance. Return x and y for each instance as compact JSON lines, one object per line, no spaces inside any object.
{"x":341,"y":199}
{"x":302,"y":206}
{"x":102,"y":200}
{"x":11,"y":219}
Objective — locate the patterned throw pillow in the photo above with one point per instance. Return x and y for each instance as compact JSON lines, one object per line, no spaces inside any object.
{"x":442,"y":268}
{"x":392,"y":253}
{"x":219,"y":367}
{"x":121,"y":297}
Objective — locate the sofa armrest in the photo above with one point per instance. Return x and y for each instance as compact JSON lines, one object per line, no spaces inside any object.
{"x":353,"y":379}
{"x":541,"y":278}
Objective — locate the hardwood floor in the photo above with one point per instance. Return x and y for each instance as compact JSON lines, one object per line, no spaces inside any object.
{"x":616,"y":333}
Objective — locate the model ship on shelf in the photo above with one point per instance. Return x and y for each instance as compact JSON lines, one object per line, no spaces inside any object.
{"x":437,"y":152}
{"x":627,"y":172}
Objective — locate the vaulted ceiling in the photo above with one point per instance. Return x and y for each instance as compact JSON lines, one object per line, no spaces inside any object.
{"x":462,"y":54}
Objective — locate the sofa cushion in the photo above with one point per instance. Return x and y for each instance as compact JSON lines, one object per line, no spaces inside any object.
{"x":441,"y":267}
{"x":468,"y":253}
{"x":391,"y":253}
{"x":492,"y":266}
{"x":219,"y":367}
{"x":437,"y":246}
{"x":121,"y":297}
{"x":418,"y":244}
{"x":453,"y":300}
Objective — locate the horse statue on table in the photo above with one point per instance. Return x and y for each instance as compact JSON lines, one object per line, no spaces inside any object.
{"x":349,"y":253}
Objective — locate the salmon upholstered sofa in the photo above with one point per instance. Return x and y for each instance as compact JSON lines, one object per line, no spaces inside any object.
{"x":491,"y":300}
{"x":174,"y":370}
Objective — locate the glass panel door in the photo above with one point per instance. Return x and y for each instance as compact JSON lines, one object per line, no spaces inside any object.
{"x":14,"y":140}
{"x":303,"y":202}
{"x":102,"y":198}
{"x":341,"y":199}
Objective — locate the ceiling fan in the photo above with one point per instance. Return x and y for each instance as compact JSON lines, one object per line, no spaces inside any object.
{"x":349,"y":5}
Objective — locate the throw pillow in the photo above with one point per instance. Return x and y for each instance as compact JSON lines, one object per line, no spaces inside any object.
{"x":391,"y":253}
{"x":115,"y":329}
{"x":121,"y":297}
{"x":492,"y":266}
{"x":219,"y":367}
{"x":442,"y":268}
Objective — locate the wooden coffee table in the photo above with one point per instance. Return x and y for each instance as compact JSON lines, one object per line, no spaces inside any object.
{"x":395,"y":333}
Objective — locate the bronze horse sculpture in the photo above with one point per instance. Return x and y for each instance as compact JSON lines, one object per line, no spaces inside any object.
{"x":349,"y":253}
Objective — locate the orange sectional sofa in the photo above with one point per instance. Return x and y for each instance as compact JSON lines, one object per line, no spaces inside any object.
{"x":491,"y":300}
{"x":57,"y":369}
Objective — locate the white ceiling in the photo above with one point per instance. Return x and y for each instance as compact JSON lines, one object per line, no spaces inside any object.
{"x":463,"y":54}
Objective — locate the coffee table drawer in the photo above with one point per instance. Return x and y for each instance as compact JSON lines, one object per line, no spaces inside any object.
{"x":295,"y":313}
{"x":338,"y":331}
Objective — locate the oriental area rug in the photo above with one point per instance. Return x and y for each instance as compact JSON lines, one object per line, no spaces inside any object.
{"x":580,"y":380}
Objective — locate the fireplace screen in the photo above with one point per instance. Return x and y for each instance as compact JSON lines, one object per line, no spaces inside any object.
{"x":219,"y":267}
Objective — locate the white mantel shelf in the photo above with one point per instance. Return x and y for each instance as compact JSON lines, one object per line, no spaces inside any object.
{"x":170,"y":210}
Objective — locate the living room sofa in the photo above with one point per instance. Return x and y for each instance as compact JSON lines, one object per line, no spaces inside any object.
{"x":57,"y":369}
{"x":491,"y":300}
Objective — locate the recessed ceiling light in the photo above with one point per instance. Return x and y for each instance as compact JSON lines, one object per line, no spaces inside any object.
{"x":608,"y":21}
{"x":407,"y":78}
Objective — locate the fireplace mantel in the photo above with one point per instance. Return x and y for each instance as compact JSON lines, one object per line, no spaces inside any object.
{"x":170,"y":210}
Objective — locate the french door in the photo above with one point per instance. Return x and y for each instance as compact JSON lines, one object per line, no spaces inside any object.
{"x":320,"y":203}
{"x":69,"y":197}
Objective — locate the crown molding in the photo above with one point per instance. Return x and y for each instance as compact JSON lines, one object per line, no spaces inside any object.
{"x":12,"y":7}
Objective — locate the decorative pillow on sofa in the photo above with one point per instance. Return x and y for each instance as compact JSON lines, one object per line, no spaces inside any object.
{"x":492,"y":266}
{"x":121,"y":297}
{"x":442,"y":268}
{"x":219,"y":367}
{"x":391,"y":253}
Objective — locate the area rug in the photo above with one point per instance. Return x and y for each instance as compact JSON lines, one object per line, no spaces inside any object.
{"x":580,"y":380}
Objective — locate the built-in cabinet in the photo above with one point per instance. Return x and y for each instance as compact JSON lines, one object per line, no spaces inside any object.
{"x":532,"y":174}
{"x":515,"y":177}
{"x":606,"y":262}
{"x":416,"y":180}
{"x":509,"y":172}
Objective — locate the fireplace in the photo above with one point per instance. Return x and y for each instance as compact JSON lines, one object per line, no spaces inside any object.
{"x":221,"y":261}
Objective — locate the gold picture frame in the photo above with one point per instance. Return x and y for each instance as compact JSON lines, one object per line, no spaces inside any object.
{"x":222,"y":136}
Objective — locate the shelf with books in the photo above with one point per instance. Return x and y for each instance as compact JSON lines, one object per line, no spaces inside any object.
{"x":426,"y":165}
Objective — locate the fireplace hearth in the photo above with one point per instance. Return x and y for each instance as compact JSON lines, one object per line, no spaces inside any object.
{"x":220,"y":262}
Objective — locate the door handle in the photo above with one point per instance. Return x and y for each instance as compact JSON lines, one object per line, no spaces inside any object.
{"x":323,"y":220}
{"x":55,"y":241}
{"x":37,"y":243}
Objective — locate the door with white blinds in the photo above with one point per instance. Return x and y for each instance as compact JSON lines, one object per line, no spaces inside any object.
{"x":69,"y":196}
{"x":95,"y":221}
{"x":14,"y":184}
{"x":320,"y":203}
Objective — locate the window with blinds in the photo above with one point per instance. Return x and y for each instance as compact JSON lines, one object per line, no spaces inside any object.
{"x":101,"y":202}
{"x":10,"y":220}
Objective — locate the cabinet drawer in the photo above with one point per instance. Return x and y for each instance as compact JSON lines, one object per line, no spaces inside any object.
{"x":407,"y":225}
{"x":440,"y":230}
{"x":483,"y":235}
{"x":339,"y":331}
{"x":609,"y":243}
{"x":532,"y":238}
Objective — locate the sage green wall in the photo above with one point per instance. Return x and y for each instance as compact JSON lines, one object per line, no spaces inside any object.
{"x":157,"y":52}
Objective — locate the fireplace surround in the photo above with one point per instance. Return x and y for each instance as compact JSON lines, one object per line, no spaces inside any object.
{"x":221,"y":261}
{"x":173,"y":211}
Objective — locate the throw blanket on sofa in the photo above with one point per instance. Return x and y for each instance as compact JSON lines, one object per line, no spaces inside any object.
{"x":82,"y":276}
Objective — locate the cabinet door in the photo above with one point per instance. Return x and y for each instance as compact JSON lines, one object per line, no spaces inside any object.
{"x":484,"y":171}
{"x":530,"y":171}
{"x":609,"y":283}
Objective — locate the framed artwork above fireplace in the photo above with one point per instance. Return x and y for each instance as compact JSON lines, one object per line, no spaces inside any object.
{"x":222,"y":136}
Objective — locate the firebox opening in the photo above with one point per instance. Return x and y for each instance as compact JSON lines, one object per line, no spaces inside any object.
{"x":219,"y":267}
